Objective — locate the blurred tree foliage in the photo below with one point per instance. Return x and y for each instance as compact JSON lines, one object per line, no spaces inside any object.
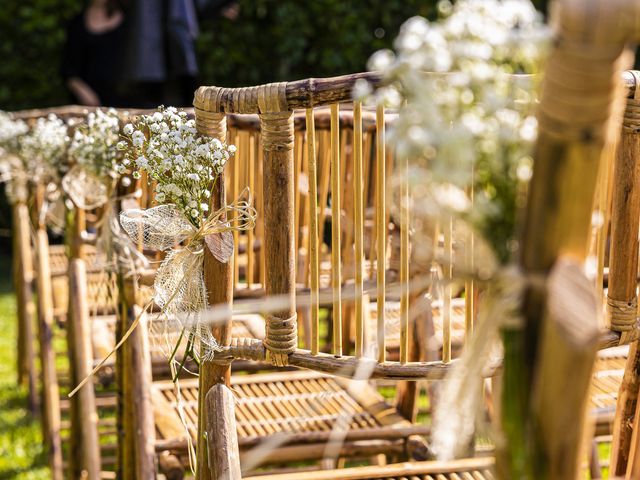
{"x":276,"y":40}
{"x":271,"y":40}
{"x":32,"y":33}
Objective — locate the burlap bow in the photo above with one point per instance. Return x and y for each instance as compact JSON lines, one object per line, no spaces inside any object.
{"x":179,"y":288}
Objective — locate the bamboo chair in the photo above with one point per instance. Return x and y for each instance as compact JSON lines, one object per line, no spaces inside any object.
{"x":168,"y":425}
{"x":275,"y":104}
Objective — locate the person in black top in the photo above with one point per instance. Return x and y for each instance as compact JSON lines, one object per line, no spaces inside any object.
{"x":92,"y":57}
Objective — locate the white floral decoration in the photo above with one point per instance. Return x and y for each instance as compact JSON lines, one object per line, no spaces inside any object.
{"x":94,"y":143}
{"x":44,"y":148}
{"x":464,"y":88}
{"x":10,"y":132}
{"x":184,"y":164}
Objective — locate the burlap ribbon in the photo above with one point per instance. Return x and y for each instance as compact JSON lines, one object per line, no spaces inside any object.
{"x":179,"y":288}
{"x":86,"y":189}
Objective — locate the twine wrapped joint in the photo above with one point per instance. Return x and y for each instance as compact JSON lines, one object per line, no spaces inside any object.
{"x":179,"y":288}
{"x":281,"y":338}
{"x":623,"y":317}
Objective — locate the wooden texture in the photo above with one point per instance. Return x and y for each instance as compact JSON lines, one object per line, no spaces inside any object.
{"x":86,"y":450}
{"x":475,"y":468}
{"x":50,"y":390}
{"x":138,"y":382}
{"x":23,"y":282}
{"x":623,"y":268}
{"x":381,"y":230}
{"x":222,"y":437}
{"x":577,"y":130}
{"x":336,"y":213}
{"x":568,"y":346}
{"x":312,"y":170}
{"x":358,"y":220}
{"x":280,"y":261}
{"x":218,"y":279}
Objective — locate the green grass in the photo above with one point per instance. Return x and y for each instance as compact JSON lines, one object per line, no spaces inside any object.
{"x":22,"y":455}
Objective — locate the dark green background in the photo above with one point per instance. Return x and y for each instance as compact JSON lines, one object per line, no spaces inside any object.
{"x":271,"y":40}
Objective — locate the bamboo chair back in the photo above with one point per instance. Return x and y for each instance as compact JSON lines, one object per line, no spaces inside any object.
{"x":275,"y":105}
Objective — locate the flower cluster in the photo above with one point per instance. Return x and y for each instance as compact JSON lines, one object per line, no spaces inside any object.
{"x":184,"y":165}
{"x":44,"y":148}
{"x":94,"y":143}
{"x":10,"y":132}
{"x":464,"y":87}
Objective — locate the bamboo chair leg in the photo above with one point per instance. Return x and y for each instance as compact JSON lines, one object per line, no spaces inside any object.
{"x":84,"y":412}
{"x":219,"y":281}
{"x":142,"y":428}
{"x":50,"y":390}
{"x":223,"y":454}
{"x":23,"y":281}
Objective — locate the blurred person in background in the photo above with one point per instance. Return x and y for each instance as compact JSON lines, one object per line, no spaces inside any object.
{"x":161,"y":64}
{"x":93,"y":53}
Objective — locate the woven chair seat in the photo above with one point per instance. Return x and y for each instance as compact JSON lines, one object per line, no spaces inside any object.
{"x":297,"y":407}
{"x":607,"y":377}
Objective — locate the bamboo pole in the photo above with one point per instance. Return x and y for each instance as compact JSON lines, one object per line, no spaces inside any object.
{"x":219,"y":282}
{"x":622,"y":297}
{"x":50,"y":391}
{"x":84,"y":416}
{"x":381,"y":230}
{"x":313,"y":231}
{"x":577,"y":127}
{"x":23,"y":282}
{"x":336,"y":277}
{"x":222,"y":437}
{"x":404,"y":258}
{"x":359,"y":228}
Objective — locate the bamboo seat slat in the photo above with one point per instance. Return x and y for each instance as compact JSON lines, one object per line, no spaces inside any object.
{"x":473,"y":468}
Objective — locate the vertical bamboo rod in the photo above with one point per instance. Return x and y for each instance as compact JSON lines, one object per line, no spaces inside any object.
{"x":381,"y":229}
{"x":84,"y":411}
{"x":260,"y":225}
{"x":359,"y":227}
{"x":23,"y":281}
{"x":404,"y":259}
{"x":50,"y":390}
{"x":446,"y":304}
{"x":335,"y":230}
{"x":235,"y":184}
{"x":251,"y":166}
{"x":313,"y":229}
{"x":325,"y":165}
{"x":469,"y":286}
{"x":218,"y":278}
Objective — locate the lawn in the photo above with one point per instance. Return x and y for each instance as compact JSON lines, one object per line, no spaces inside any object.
{"x":22,"y":455}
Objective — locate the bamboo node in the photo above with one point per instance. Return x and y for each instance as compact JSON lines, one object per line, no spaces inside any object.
{"x":281,"y":338}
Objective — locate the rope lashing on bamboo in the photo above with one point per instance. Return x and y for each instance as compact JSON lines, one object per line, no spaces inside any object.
{"x":571,"y":114}
{"x":281,"y":338}
{"x":631,"y":119}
